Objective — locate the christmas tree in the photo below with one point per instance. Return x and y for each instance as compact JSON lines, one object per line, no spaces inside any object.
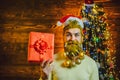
{"x":98,"y":40}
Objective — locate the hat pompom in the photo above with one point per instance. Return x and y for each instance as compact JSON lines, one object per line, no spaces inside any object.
{"x":59,"y":23}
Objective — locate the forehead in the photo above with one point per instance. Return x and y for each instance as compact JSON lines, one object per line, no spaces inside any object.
{"x":73,"y":30}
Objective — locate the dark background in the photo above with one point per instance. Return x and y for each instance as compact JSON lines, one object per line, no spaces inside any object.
{"x":19,"y":17}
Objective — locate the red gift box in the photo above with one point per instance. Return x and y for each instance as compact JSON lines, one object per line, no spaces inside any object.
{"x":41,"y":46}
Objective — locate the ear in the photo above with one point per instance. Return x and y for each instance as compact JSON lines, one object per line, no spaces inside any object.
{"x":82,"y":38}
{"x":64,"y":38}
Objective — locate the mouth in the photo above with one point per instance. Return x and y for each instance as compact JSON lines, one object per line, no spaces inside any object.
{"x":72,"y":43}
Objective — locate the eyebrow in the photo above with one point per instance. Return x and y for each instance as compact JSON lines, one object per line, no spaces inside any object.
{"x":74,"y":33}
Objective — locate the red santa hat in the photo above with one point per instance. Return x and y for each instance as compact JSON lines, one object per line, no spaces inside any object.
{"x":66,"y":19}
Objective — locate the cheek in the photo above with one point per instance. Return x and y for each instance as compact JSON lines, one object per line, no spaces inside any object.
{"x":66,"y":38}
{"x":79,"y":39}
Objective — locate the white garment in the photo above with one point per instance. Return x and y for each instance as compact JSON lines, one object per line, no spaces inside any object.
{"x":87,"y":70}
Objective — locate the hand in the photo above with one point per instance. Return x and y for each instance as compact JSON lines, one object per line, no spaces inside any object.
{"x":47,"y":67}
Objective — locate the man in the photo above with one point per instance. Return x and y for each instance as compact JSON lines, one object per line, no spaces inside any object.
{"x":72,"y":64}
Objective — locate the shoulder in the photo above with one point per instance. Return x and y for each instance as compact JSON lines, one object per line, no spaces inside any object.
{"x":89,"y":60}
{"x":90,"y":64}
{"x":59,"y":55}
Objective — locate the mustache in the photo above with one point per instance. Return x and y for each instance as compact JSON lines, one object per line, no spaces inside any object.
{"x":72,"y":46}
{"x":71,"y":43}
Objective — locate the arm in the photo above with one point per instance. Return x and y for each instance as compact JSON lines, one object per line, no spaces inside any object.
{"x":45,"y":70}
{"x":94,"y":75}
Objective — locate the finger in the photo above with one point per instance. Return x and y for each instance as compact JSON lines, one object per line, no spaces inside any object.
{"x":44,"y":63}
{"x":48,"y":62}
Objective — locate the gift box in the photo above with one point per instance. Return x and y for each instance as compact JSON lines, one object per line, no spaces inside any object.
{"x":40,"y":46}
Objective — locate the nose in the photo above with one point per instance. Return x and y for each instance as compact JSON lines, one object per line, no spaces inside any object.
{"x":73,"y":37}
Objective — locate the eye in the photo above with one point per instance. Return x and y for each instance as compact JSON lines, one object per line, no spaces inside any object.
{"x":68,"y":34}
{"x":77,"y":34}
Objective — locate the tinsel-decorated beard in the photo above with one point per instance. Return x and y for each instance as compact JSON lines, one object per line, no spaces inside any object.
{"x":72,"y":48}
{"x":74,"y":54}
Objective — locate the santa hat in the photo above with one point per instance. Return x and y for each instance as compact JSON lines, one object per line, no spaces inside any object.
{"x":66,"y":19}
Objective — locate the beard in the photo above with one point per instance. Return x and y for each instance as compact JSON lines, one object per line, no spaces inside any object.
{"x":72,"y":48}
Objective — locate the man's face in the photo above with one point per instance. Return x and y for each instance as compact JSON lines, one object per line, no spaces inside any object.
{"x":73,"y":34}
{"x":72,"y":40}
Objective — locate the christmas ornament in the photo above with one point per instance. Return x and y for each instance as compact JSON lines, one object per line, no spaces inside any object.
{"x":72,"y":60}
{"x":89,"y":2}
